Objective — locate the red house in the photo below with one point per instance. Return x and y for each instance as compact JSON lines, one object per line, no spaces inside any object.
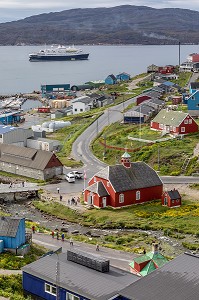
{"x":171,"y":198}
{"x":123,"y":184}
{"x":174,"y":122}
{"x":43,"y":109}
{"x":142,"y":98}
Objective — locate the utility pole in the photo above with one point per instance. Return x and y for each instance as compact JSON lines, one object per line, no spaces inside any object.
{"x":57,"y":279}
{"x":97,"y":126}
{"x":108,"y":118}
{"x":158,"y":158}
{"x":179,"y":54}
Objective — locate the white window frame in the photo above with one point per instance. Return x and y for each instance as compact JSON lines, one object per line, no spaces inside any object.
{"x":174,"y":129}
{"x":161,"y":126}
{"x":108,"y":183}
{"x":186,"y":121}
{"x":182,"y":129}
{"x":50,"y":291}
{"x":190,"y":121}
{"x":137,"y":196}
{"x":121,"y":198}
{"x":73,"y":297}
{"x":95,"y":180}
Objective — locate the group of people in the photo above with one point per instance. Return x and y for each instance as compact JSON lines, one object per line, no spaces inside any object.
{"x":73,"y":201}
{"x":11,"y":184}
{"x":57,"y":235}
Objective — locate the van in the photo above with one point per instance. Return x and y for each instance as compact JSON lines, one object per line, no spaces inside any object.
{"x":70,"y":177}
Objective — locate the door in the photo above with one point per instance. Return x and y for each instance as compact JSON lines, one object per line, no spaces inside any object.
{"x":165,"y":201}
{"x":90,"y":199}
{"x":104,"y":202}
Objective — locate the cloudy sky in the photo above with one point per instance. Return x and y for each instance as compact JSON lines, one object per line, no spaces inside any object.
{"x":18,"y":9}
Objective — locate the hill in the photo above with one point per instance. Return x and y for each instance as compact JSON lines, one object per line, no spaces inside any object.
{"x":124,"y":24}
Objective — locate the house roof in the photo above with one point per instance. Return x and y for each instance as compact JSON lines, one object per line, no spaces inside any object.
{"x":176,"y":280}
{"x":98,"y":188}
{"x":6,"y":128}
{"x":170,"y":117}
{"x":76,"y":278}
{"x":9,"y":226}
{"x":138,"y":176}
{"x":112,"y":76}
{"x":83,"y":99}
{"x":27,"y":157}
{"x":174,"y":194}
{"x":123,"y":73}
{"x":145,"y":109}
{"x":156,"y":101}
{"x":168,"y":83}
{"x":194,"y":85}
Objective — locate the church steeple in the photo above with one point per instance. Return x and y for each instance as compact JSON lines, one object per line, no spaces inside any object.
{"x":125,"y":160}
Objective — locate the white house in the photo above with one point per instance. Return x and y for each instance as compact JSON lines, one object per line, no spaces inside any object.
{"x":82,"y":104}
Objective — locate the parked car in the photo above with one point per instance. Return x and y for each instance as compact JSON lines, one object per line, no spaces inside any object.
{"x":77,"y":174}
{"x":70,"y":177}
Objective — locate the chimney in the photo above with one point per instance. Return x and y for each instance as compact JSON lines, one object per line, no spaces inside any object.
{"x":125,"y":160}
{"x":155,"y":248}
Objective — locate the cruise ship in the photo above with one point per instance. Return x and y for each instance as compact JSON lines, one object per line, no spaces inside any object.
{"x":59,"y":53}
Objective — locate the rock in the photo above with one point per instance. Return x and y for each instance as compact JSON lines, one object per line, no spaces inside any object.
{"x":64,"y":229}
{"x":75,"y":231}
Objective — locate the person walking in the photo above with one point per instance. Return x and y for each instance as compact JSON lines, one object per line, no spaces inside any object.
{"x":33,"y":229}
{"x":97,"y":247}
{"x":53,"y":234}
{"x":62,"y":237}
{"x":60,"y":197}
{"x":58,"y":190}
{"x":57,"y":235}
{"x":71,"y":241}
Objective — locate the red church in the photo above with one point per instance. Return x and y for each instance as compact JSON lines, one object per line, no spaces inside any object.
{"x":123,"y":184}
{"x":171,"y":198}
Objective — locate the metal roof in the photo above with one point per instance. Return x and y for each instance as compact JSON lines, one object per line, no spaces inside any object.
{"x":9,"y":226}
{"x":194,"y":85}
{"x":170,"y":117}
{"x":79,"y":279}
{"x":138,"y":176}
{"x":7,"y":128}
{"x":98,"y":188}
{"x":31,"y":158}
{"x":174,"y":194}
{"x":83,"y":99}
{"x":176,"y":280}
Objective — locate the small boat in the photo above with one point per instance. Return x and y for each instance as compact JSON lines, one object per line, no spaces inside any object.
{"x":59,"y":53}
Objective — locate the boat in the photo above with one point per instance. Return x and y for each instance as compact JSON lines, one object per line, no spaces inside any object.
{"x":59,"y":53}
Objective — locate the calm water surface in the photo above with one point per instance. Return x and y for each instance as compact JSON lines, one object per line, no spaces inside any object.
{"x":17,"y":74}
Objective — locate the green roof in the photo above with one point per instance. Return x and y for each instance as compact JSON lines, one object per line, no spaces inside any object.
{"x":148,"y":268}
{"x":126,"y":155}
{"x":153,"y":259}
{"x":170,"y":117}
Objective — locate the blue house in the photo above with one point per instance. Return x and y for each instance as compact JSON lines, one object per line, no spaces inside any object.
{"x":123,"y":76}
{"x":193,"y":103}
{"x":81,"y":276}
{"x":111,"y":79}
{"x":12,"y":232}
{"x":11,"y":118}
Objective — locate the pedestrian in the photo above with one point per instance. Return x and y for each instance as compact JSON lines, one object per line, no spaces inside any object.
{"x":71,"y":241}
{"x":57,"y":235}
{"x":33,"y":229}
{"x":60,"y":197}
{"x":53,"y":234}
{"x":10,"y":185}
{"x":22,"y":183}
{"x":97,"y":247}
{"x":58,"y":190}
{"x":62,"y":237}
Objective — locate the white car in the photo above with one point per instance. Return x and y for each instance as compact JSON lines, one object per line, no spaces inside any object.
{"x":77,"y":174}
{"x":70,"y":177}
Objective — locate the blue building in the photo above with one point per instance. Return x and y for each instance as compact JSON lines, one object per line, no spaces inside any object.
{"x":193,"y":103}
{"x":14,"y":117}
{"x":111,"y":79}
{"x":12,"y":232}
{"x":123,"y":76}
{"x":54,"y":88}
{"x":90,"y":277}
{"x":194,"y":86}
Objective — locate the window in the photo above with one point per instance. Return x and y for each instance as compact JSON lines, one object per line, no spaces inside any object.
{"x":95,"y":179}
{"x":81,"y":109}
{"x":193,"y":98}
{"x":186,"y":121}
{"x":75,"y":109}
{"x":161,"y":126}
{"x":137,"y":195}
{"x":71,"y":297}
{"x":50,"y":289}
{"x":108,"y":184}
{"x":174,"y":129}
{"x":190,"y":121}
{"x":182,"y":129}
{"x":121,"y":198}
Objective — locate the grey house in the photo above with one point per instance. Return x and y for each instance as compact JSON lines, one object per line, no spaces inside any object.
{"x":29,"y":162}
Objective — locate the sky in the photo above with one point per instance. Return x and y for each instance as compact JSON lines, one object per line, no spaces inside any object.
{"x":11,"y":10}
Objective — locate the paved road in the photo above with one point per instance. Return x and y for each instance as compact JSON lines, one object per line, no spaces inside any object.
{"x":117,"y":258}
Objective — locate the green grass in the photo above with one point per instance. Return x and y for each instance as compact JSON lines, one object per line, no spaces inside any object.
{"x":11,"y":287}
{"x":10,"y":261}
{"x":147,"y":216}
{"x":167,"y":156}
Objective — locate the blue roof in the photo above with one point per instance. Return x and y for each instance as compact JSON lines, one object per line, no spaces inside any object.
{"x":6,"y":128}
{"x":168,"y":83}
